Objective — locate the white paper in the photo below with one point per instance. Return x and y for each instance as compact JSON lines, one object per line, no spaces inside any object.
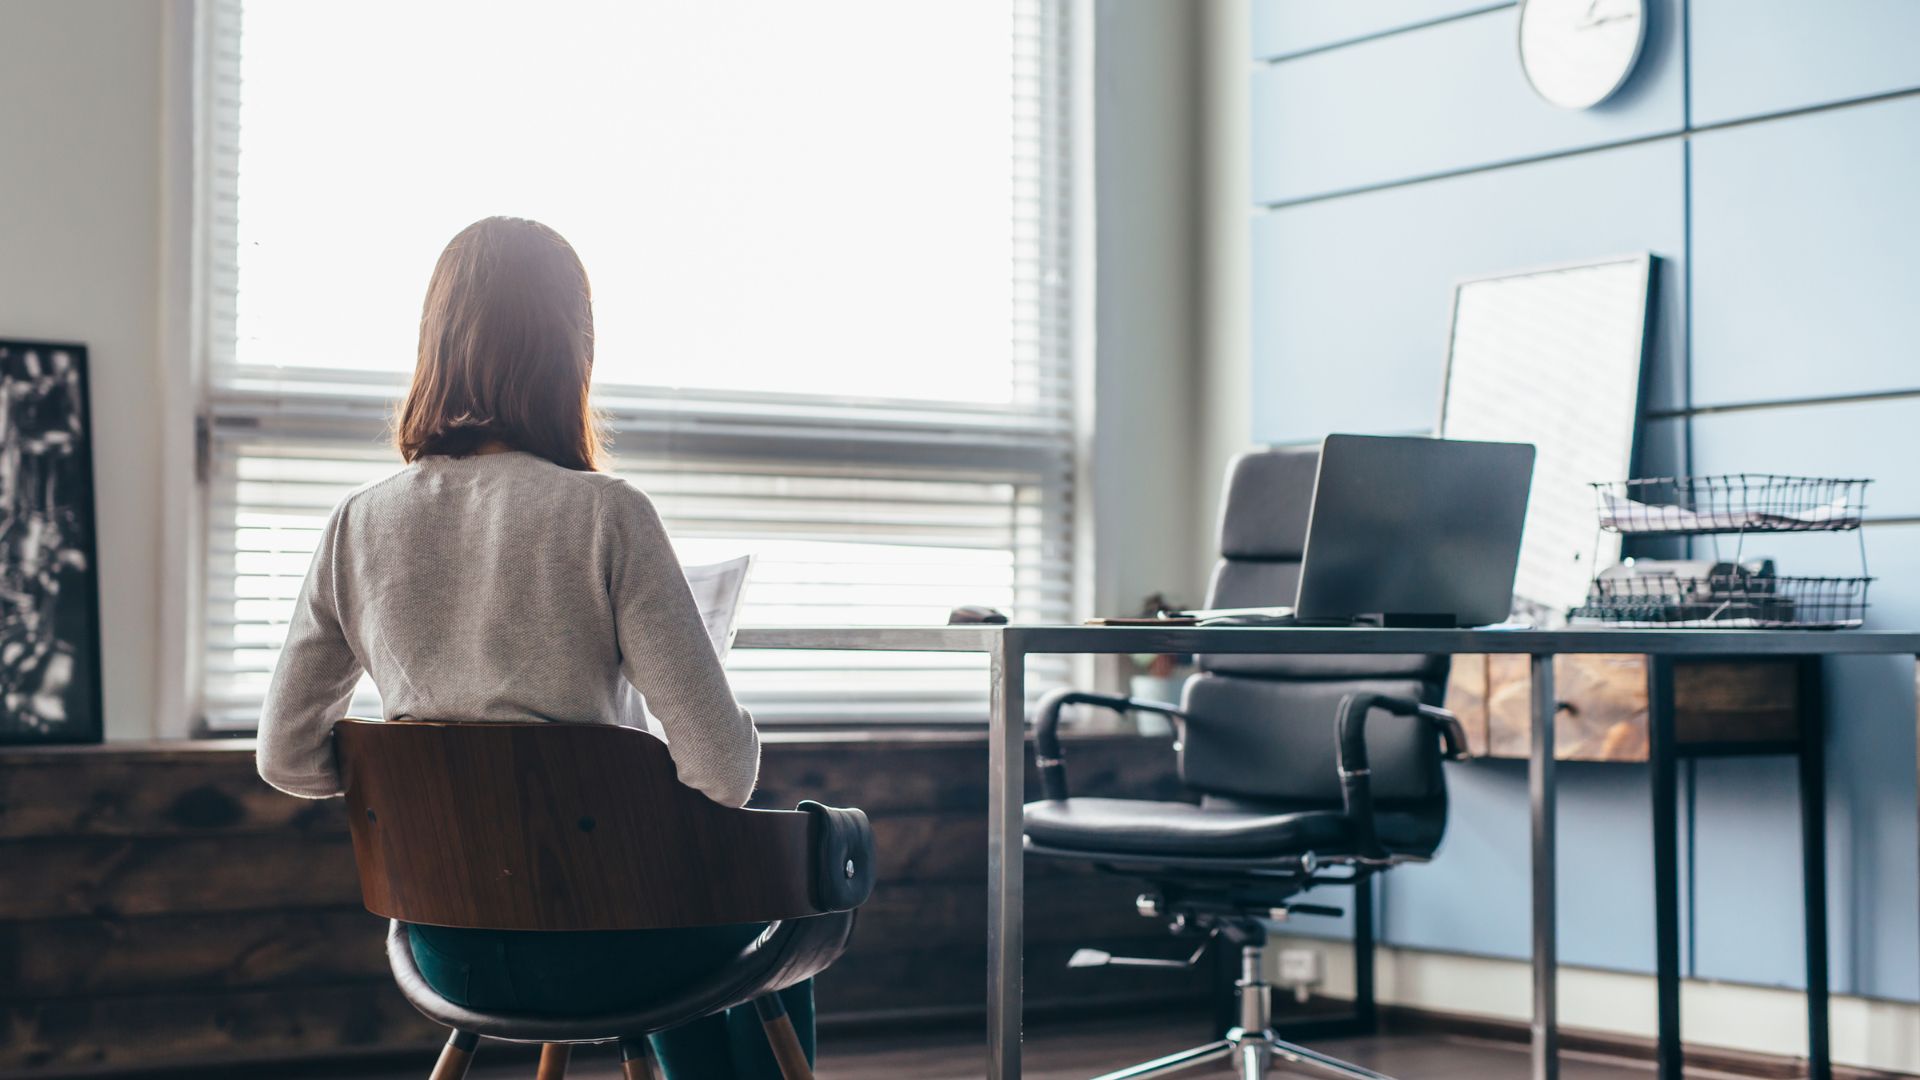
{"x":1630,"y":516}
{"x":717,"y":589}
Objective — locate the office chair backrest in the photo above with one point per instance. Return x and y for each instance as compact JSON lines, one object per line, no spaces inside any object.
{"x":1263,"y":726}
{"x":539,"y":826}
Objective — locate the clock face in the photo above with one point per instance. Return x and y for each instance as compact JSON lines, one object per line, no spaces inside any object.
{"x":1577,"y":52}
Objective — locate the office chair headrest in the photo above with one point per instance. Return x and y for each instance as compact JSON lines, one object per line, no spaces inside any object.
{"x":1269,"y":494}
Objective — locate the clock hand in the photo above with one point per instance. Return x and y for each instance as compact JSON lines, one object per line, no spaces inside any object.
{"x":1604,"y":20}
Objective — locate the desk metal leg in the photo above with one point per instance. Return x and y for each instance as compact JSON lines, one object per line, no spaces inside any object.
{"x":1006,"y":795}
{"x":1546,"y":1026}
{"x":1366,"y":1005}
{"x":1813,"y":860}
{"x":1666,"y":865}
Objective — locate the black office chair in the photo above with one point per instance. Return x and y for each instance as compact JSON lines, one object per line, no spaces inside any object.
{"x":1309,"y":770}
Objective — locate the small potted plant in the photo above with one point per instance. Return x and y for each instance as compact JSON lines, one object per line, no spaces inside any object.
{"x":1157,"y":676}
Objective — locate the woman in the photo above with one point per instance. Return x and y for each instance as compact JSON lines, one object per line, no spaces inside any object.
{"x":501,"y":577}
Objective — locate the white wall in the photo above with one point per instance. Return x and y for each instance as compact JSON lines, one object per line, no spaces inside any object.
{"x":1224,"y":366}
{"x":80,"y":260}
{"x":1146,"y":145}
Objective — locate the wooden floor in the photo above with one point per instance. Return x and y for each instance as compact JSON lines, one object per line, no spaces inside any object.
{"x":1076,"y":1051}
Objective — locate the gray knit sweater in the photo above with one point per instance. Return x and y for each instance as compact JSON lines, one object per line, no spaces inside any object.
{"x":502,"y":587}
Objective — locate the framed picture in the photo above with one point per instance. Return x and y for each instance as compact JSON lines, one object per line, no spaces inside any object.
{"x":1554,"y":357}
{"x":49,"y":573}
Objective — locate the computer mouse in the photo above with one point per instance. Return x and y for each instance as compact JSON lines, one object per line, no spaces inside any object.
{"x":975,"y":613}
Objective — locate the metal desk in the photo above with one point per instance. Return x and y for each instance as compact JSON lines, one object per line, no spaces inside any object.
{"x":1007,"y":648}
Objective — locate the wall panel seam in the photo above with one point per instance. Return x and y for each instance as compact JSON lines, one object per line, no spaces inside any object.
{"x":1687,"y":412}
{"x":1469,"y":170}
{"x":1684,"y":134}
{"x":1276,"y":59}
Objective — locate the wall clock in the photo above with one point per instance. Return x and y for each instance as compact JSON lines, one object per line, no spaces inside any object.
{"x":1576,"y":53}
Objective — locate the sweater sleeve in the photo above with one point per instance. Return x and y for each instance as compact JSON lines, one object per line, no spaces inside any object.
{"x":666,"y":654}
{"x":312,"y":684}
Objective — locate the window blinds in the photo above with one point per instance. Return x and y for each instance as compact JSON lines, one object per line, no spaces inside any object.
{"x":865,"y":512}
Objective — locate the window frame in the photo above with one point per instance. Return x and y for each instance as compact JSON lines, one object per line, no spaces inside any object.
{"x":1039,"y":445}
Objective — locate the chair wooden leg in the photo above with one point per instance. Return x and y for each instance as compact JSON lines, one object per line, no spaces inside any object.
{"x":785,"y":1042}
{"x":457,"y":1056}
{"x":553,"y":1061}
{"x":636,"y":1060}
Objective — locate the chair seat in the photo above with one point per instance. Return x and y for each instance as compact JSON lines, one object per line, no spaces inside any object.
{"x":1141,"y":827}
{"x":789,"y":952}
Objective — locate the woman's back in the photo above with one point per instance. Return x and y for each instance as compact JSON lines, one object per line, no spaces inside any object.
{"x":500,"y":586}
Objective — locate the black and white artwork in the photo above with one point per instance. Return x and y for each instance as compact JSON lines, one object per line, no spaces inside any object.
{"x":49,"y":590}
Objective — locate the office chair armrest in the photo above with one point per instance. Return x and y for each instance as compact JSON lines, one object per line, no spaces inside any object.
{"x":1356,"y":778}
{"x":1046,"y":730}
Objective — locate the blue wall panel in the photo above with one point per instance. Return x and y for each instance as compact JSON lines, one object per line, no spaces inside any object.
{"x":1435,"y":100}
{"x":1748,"y":843}
{"x":1351,"y":296}
{"x":1746,"y":871}
{"x":1474,"y":896}
{"x":1801,"y":241}
{"x":1873,"y":838}
{"x":1762,"y":56}
{"x":1285,"y":27}
{"x":1806,"y":249}
{"x":1875,"y":439}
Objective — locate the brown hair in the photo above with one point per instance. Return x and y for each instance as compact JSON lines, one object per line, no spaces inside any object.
{"x":506,"y":349}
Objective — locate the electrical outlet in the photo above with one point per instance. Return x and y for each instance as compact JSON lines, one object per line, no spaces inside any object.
{"x":1301,"y":968}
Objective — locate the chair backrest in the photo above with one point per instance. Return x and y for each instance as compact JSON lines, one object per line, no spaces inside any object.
{"x":1263,"y":726}
{"x":541,"y":826}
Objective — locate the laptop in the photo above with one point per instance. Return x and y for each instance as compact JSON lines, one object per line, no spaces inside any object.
{"x":1414,"y":531}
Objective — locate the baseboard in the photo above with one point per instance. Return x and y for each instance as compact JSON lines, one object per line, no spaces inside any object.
{"x":1745,"y":1029}
{"x":1405,"y":1020}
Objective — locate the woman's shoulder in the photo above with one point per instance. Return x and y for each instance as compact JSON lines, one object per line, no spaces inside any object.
{"x":612,"y":496}
{"x":518,"y":480}
{"x":617,"y":496}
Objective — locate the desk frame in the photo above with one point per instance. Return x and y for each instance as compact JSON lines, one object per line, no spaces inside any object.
{"x":1007,"y":648}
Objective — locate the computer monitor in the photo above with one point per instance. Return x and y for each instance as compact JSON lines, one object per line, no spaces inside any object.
{"x":1414,"y":532}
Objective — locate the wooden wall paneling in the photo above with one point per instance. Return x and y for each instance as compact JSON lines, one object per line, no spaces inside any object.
{"x":1723,"y":705}
{"x":68,"y":1035}
{"x":115,"y":876}
{"x":198,"y":952}
{"x":1607,"y":720}
{"x":213,"y":790}
{"x":1726,"y":703}
{"x":948,"y":773}
{"x":165,"y":906}
{"x":1466,"y":698}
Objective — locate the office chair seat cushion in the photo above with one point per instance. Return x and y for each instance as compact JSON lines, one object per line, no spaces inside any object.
{"x":1141,"y":827}
{"x":789,"y":952}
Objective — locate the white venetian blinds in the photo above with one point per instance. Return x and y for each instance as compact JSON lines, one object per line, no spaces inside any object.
{"x":797,"y":222}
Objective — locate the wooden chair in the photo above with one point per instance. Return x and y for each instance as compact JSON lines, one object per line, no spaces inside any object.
{"x":557,"y":827}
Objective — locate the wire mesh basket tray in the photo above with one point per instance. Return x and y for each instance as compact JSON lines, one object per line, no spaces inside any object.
{"x":1727,"y":600}
{"x":1732,"y":503}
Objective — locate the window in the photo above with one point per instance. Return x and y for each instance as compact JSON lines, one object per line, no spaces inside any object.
{"x":796,"y":218}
